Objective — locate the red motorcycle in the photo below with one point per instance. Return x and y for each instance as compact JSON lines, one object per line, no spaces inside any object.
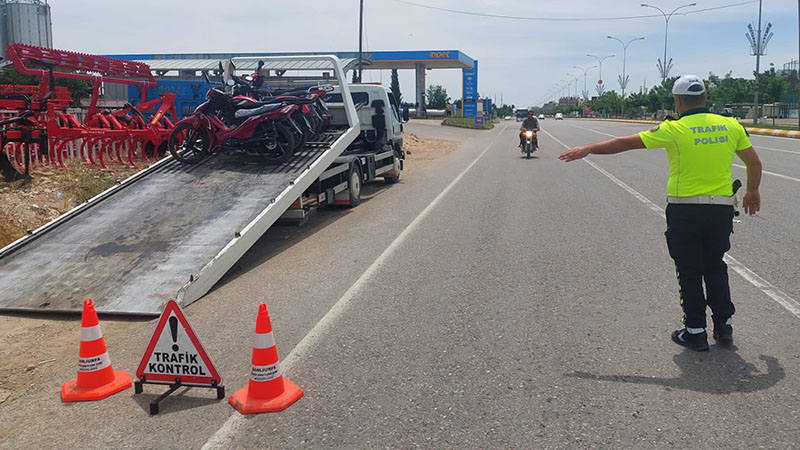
{"x":261,"y":130}
{"x":309,"y":120}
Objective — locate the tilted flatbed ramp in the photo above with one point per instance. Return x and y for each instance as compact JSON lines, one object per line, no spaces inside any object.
{"x":171,"y":232}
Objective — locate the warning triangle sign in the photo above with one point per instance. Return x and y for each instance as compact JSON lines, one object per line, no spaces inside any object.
{"x":174,"y":352}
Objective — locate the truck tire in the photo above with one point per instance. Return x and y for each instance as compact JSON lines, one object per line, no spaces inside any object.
{"x":394,"y":178}
{"x":354,"y":186}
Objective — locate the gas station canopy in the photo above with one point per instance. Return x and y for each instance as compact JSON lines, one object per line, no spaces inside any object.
{"x":431,"y":59}
{"x":418,"y":60}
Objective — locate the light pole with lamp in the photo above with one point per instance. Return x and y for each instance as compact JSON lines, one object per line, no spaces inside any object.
{"x":665,"y":66}
{"x":560,"y":91}
{"x":623,"y":80}
{"x":567,"y":87}
{"x":600,"y":61}
{"x":575,"y":78}
{"x":585,"y":71}
{"x":758,"y":43}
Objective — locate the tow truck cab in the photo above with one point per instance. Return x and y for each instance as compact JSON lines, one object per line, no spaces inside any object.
{"x":379,"y":115}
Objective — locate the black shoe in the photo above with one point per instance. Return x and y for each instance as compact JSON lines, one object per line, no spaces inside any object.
{"x":696,"y":342}
{"x":723,"y":334}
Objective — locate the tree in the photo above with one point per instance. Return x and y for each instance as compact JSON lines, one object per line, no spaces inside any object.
{"x":77,"y":88}
{"x":609,"y":102}
{"x":772,"y":86}
{"x":395,"y":87}
{"x":437,"y":97}
{"x":729,"y":90}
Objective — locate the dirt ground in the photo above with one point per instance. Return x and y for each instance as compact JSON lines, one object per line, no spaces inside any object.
{"x":33,"y":347}
{"x":421,"y":152}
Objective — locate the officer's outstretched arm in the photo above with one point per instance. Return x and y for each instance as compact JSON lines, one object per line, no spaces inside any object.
{"x":751,"y":203}
{"x":609,"y":147}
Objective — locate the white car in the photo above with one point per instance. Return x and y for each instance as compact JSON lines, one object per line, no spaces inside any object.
{"x":507,"y":118}
{"x":541,"y":116}
{"x":559,"y":116}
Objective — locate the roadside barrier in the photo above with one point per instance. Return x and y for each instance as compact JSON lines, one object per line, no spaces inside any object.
{"x":267,"y":390}
{"x":97,"y":379}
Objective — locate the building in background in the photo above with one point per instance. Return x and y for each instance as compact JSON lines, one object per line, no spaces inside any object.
{"x":25,"y":22}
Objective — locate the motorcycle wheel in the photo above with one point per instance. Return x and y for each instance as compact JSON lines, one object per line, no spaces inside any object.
{"x":318,"y":121}
{"x":302,"y":135}
{"x":188,"y":144}
{"x":280,"y":144}
{"x":298,"y":131}
{"x":528,"y":151}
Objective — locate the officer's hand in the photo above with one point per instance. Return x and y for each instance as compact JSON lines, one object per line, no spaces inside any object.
{"x":573,"y":154}
{"x":751,"y":203}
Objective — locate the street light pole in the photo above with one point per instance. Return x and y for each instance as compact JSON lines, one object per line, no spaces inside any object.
{"x":758,"y":43}
{"x":576,"y":81}
{"x":585,"y":88}
{"x":666,"y":66}
{"x":568,"y":83}
{"x":758,"y":51}
{"x":623,"y":81}
{"x":600,"y":61}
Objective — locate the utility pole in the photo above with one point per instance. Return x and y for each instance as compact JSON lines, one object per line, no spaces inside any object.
{"x":758,"y":43}
{"x":360,"y":40}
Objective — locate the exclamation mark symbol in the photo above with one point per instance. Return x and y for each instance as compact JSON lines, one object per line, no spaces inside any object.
{"x":173,"y":329}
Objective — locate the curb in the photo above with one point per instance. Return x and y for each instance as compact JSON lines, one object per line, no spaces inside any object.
{"x":771,"y":132}
{"x":759,"y":131}
{"x":468,"y":127}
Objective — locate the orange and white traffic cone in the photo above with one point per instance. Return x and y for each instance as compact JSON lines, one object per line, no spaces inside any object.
{"x":267,"y":390}
{"x":96,"y":378}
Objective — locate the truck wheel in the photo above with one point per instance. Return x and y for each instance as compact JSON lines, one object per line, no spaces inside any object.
{"x":354,"y":186}
{"x":394,"y":178}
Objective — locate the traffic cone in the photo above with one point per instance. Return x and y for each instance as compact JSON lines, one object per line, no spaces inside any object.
{"x":96,"y":378}
{"x":267,"y":390}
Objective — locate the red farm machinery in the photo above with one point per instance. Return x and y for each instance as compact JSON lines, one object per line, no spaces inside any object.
{"x":36,"y":127}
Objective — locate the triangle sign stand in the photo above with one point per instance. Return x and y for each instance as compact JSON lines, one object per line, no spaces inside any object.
{"x":176,"y":358}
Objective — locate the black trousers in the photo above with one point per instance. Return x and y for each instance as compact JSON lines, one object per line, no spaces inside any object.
{"x":698,"y":237}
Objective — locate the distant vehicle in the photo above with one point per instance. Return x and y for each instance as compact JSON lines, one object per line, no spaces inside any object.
{"x":559,"y":116}
{"x":507,"y":118}
{"x":541,"y":116}
{"x":521,"y":114}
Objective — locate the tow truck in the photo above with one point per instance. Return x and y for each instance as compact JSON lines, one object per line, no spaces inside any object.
{"x":172,"y":231}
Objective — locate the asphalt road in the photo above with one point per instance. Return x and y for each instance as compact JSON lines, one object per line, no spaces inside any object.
{"x":488,"y":301}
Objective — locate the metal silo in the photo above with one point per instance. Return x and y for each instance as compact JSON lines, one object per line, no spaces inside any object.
{"x":26,"y":22}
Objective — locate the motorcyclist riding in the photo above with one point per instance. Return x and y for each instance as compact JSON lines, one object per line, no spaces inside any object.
{"x":530,"y":123}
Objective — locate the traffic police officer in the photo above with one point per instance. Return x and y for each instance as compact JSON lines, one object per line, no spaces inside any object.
{"x":700,"y":147}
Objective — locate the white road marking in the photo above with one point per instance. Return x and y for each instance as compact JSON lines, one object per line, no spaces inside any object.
{"x":221,"y":438}
{"x":791,"y":305}
{"x":593,"y":131}
{"x":785,"y":177}
{"x":758,"y":147}
{"x":761,"y":147}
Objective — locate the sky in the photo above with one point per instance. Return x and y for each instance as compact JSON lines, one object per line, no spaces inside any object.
{"x":520,"y":60}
